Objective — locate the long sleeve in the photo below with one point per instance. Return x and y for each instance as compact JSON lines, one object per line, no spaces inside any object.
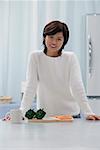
{"x":31,"y":84}
{"x":77,"y":87}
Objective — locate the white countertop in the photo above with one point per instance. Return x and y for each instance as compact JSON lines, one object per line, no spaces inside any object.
{"x":77,"y":135}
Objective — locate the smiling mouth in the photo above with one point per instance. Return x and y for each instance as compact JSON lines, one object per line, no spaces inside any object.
{"x":53,"y":46}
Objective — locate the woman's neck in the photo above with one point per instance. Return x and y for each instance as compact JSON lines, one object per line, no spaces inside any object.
{"x":53,"y":54}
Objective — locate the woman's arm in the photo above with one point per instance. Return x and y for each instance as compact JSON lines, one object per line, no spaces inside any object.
{"x":77,"y":87}
{"x":31,"y":84}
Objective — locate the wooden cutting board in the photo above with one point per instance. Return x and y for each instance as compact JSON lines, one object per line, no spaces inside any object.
{"x":48,"y":120}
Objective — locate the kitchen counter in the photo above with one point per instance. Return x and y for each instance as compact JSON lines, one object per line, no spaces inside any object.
{"x":77,"y":135}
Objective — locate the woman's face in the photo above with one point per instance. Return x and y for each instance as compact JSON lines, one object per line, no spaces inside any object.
{"x":54,"y":42}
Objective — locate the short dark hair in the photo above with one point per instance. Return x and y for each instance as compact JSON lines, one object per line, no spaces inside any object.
{"x":54,"y":27}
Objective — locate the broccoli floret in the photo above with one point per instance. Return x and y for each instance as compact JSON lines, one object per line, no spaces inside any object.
{"x":40,"y":114}
{"x":30,"y":114}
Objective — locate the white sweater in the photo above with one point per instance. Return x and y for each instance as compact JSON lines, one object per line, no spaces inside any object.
{"x":58,"y":84}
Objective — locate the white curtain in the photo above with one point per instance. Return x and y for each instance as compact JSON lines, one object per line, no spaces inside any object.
{"x":21,"y":26}
{"x":17,"y":38}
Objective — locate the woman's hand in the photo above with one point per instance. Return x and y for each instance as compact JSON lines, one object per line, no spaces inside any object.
{"x":93,"y":117}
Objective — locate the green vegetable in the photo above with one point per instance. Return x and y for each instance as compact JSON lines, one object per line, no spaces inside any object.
{"x":40,"y":114}
{"x":30,"y":114}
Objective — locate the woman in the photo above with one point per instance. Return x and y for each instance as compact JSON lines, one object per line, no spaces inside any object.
{"x":54,"y":76}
